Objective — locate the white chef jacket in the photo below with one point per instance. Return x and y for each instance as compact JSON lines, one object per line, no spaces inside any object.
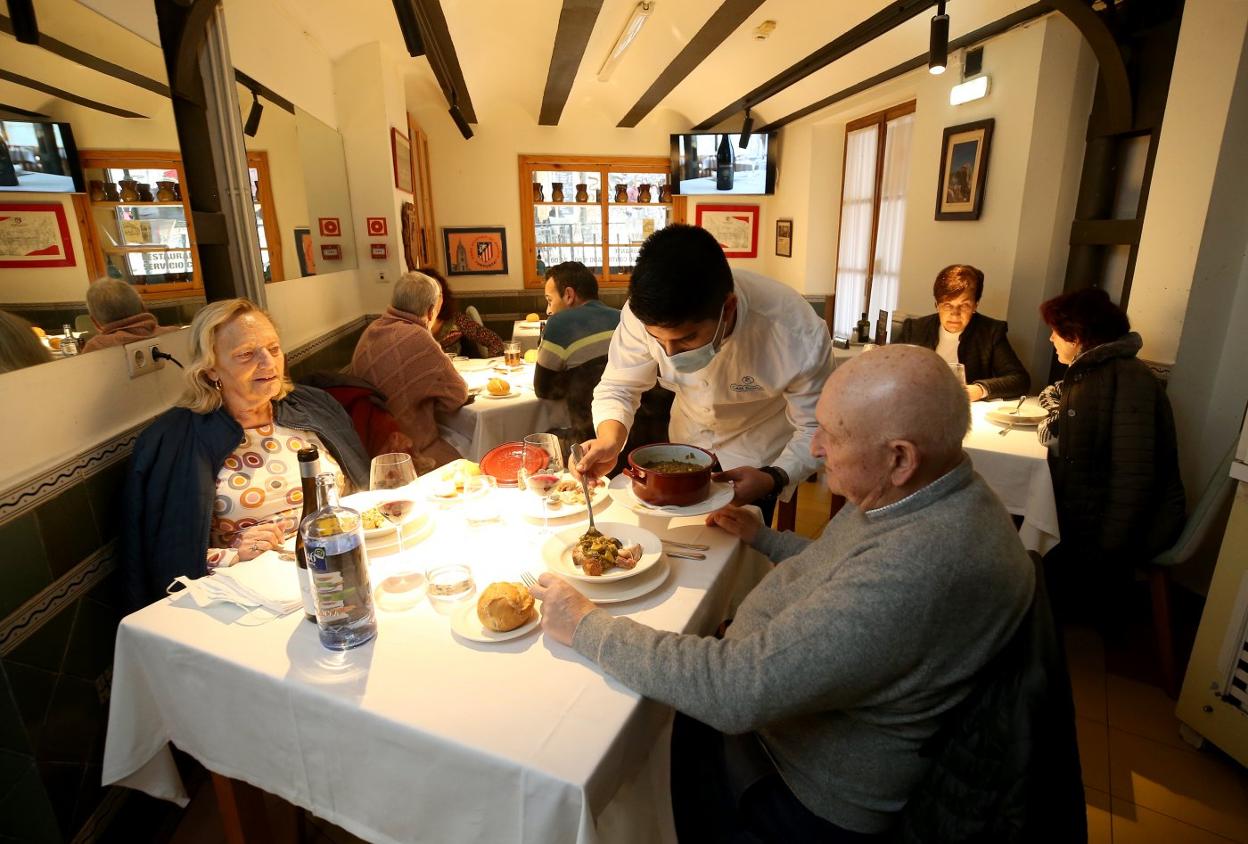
{"x":754,"y":405}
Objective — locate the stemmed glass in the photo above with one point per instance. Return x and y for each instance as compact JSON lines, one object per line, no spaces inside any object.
{"x":541,"y":451}
{"x":391,"y":477}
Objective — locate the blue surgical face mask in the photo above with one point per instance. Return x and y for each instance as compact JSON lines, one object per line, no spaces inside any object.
{"x":700,"y":358}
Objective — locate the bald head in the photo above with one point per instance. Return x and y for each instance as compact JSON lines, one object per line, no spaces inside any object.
{"x":891,"y":421}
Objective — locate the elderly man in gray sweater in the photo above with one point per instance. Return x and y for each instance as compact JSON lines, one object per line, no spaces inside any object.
{"x":844,"y":657}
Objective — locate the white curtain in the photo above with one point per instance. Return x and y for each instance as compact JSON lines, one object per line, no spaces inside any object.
{"x":857,"y":203}
{"x":892,"y":224}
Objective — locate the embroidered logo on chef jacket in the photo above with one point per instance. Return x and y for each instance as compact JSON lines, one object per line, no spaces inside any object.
{"x":746,"y":385}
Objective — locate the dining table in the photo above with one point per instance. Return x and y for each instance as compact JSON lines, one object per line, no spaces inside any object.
{"x":421,"y":734}
{"x":527,"y":334}
{"x":488,"y":420}
{"x":1011,"y":460}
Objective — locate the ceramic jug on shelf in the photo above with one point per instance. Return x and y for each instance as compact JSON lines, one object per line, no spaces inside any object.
{"x":665,"y":192}
{"x":582,"y":193}
{"x":539,"y":192}
{"x":556,"y":192}
{"x":145,"y":192}
{"x":621,"y":193}
{"x":165,"y":192}
{"x":643,"y":193}
{"x":110,"y":192}
{"x":97,"y":191}
{"x":129,"y":190}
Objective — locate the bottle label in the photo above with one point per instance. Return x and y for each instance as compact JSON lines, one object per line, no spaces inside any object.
{"x":330,"y":596}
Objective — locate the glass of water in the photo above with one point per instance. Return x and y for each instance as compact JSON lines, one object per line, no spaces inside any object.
{"x":448,"y":586}
{"x":959,"y":372}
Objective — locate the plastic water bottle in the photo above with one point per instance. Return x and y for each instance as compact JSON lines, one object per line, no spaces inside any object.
{"x":333,"y":542}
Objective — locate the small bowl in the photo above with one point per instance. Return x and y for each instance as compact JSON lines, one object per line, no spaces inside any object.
{"x":678,"y":489}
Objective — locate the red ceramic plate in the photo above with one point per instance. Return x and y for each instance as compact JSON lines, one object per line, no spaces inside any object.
{"x":502,"y":463}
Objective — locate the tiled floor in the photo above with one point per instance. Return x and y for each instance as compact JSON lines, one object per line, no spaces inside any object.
{"x":1143,"y":783}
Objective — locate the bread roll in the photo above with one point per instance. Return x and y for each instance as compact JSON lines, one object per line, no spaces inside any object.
{"x":504,"y":606}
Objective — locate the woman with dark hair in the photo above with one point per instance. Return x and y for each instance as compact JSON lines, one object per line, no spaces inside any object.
{"x":452,"y":327}
{"x":1111,"y":438}
{"x":960,"y":334}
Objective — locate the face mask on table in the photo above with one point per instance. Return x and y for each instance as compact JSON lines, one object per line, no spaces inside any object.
{"x":700,"y":358}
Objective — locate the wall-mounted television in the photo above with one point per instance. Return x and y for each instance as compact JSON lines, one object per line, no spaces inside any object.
{"x":39,"y":157}
{"x":712,"y":164}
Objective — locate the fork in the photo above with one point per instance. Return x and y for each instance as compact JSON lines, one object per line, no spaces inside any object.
{"x":685,"y":556}
{"x":687,"y":546}
{"x":528,"y":579}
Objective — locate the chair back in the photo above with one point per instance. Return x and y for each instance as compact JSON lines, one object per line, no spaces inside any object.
{"x":83,"y":323}
{"x":474,"y":314}
{"x":1207,"y":518}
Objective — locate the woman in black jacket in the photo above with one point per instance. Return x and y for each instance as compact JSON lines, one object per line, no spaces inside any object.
{"x":1112,"y":446}
{"x":960,"y":334}
{"x":216,"y":479}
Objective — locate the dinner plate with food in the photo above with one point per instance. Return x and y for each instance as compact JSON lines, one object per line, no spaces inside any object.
{"x":614,"y":551}
{"x":503,"y":611}
{"x":567,"y":498}
{"x":382,"y":513}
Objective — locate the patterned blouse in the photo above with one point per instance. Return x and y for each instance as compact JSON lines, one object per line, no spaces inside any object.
{"x":464,"y":327}
{"x":260,"y":482}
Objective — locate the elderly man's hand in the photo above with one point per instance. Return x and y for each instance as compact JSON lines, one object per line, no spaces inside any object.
{"x":741,"y":522}
{"x":562,"y":607}
{"x":748,"y":484}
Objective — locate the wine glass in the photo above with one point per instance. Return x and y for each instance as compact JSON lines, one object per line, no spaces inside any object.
{"x":391,"y":477}
{"x":543,"y":453}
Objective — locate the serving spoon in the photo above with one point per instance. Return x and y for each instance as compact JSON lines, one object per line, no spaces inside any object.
{"x":578,"y":454}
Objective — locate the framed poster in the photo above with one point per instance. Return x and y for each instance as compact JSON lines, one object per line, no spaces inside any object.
{"x":34,"y":235}
{"x":329,"y":226}
{"x":963,"y":170}
{"x":303,"y":248}
{"x":401,"y":152}
{"x":734,"y":226}
{"x":784,"y":238}
{"x":481,"y":250}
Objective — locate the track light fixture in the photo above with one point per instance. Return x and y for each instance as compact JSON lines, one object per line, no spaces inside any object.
{"x":938,"y":50}
{"x":253,"y":117}
{"x":746,"y":128}
{"x":460,"y":121}
{"x":25,"y":26}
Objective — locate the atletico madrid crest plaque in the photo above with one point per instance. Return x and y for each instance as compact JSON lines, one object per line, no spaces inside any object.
{"x":476,"y":251}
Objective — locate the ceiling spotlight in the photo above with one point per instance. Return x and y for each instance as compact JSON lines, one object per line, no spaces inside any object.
{"x":746,"y":128}
{"x":641,"y":12}
{"x":25,"y":26}
{"x":253,"y":117}
{"x":460,"y":121}
{"x":938,"y":51}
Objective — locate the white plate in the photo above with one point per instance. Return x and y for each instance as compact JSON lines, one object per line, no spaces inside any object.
{"x":634,"y":587}
{"x":557,"y":552}
{"x":532,"y":507}
{"x":531,"y":323}
{"x":1025,"y":416}
{"x":362,"y":501}
{"x":720,"y":496}
{"x":465,"y":623}
{"x":414,"y":531}
{"x":486,"y":394}
{"x":472,"y":365}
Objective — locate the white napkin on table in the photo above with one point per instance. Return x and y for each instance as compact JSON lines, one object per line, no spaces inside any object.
{"x":267,"y":585}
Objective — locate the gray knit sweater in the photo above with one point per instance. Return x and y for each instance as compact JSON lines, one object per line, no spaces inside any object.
{"x":843,"y":657}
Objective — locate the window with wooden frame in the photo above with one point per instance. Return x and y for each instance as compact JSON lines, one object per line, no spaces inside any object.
{"x":594,"y":209}
{"x":873,"y":211}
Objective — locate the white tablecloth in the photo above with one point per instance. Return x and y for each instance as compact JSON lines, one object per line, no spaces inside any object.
{"x":527,"y":333}
{"x":420,"y":736}
{"x":1015,"y":466}
{"x":476,"y":428}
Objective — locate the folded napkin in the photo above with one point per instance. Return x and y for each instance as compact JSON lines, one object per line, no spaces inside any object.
{"x":267,"y":585}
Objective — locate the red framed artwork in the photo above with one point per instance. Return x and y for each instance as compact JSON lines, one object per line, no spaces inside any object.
{"x":34,"y":235}
{"x":734,"y":226}
{"x":376,"y":226}
{"x":401,"y":153}
{"x":331,"y":251}
{"x":330,"y":227}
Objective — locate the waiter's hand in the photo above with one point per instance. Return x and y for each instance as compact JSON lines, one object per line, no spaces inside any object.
{"x":741,"y":522}
{"x":563,"y":607}
{"x":748,"y":484}
{"x":602,"y":452}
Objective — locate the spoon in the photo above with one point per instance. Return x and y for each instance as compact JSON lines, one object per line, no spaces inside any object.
{"x":578,"y":454}
{"x":1019,"y":406}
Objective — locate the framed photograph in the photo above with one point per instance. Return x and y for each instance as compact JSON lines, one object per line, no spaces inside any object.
{"x":481,"y":250}
{"x":379,"y":251}
{"x":376,"y":226}
{"x":784,"y":238}
{"x":331,"y":251}
{"x":34,"y":235}
{"x":734,"y":226}
{"x":329,"y":226}
{"x":304,"y":249}
{"x":963,"y":171}
{"x":401,"y":152}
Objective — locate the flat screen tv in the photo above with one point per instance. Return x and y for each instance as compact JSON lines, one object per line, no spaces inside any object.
{"x":39,"y":157}
{"x":712,"y":164}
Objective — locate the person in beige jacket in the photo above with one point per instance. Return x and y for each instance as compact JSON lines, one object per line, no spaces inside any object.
{"x":117,"y":311}
{"x":399,"y":356}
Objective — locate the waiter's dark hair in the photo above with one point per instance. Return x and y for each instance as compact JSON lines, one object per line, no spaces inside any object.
{"x":681,"y":276}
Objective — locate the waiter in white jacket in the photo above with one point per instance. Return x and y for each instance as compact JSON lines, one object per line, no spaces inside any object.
{"x":745,"y":355}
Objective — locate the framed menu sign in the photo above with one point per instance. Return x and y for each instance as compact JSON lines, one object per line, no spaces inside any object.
{"x":34,"y":235}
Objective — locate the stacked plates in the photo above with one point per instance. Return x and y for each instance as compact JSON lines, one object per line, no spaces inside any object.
{"x":616,"y":584}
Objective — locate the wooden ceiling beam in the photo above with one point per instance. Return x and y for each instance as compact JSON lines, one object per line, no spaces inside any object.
{"x":576,"y":23}
{"x":43,"y":87}
{"x":722,"y":23}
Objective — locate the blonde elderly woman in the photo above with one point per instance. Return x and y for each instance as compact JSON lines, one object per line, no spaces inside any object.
{"x":118,"y":313}
{"x":19,"y":345}
{"x":399,"y":356}
{"x":216,"y":478}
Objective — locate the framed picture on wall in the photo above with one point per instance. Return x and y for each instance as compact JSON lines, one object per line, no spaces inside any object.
{"x":303,"y":248}
{"x":475,"y":251}
{"x":34,"y":235}
{"x":734,"y":226}
{"x":963,"y":170}
{"x":784,"y":238}
{"x":401,"y":152}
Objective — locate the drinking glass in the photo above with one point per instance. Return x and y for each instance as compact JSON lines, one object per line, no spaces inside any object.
{"x":512,"y":356}
{"x":480,"y":506}
{"x":448,"y":586}
{"x":959,"y":372}
{"x":543,"y":452}
{"x":392,"y":478}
